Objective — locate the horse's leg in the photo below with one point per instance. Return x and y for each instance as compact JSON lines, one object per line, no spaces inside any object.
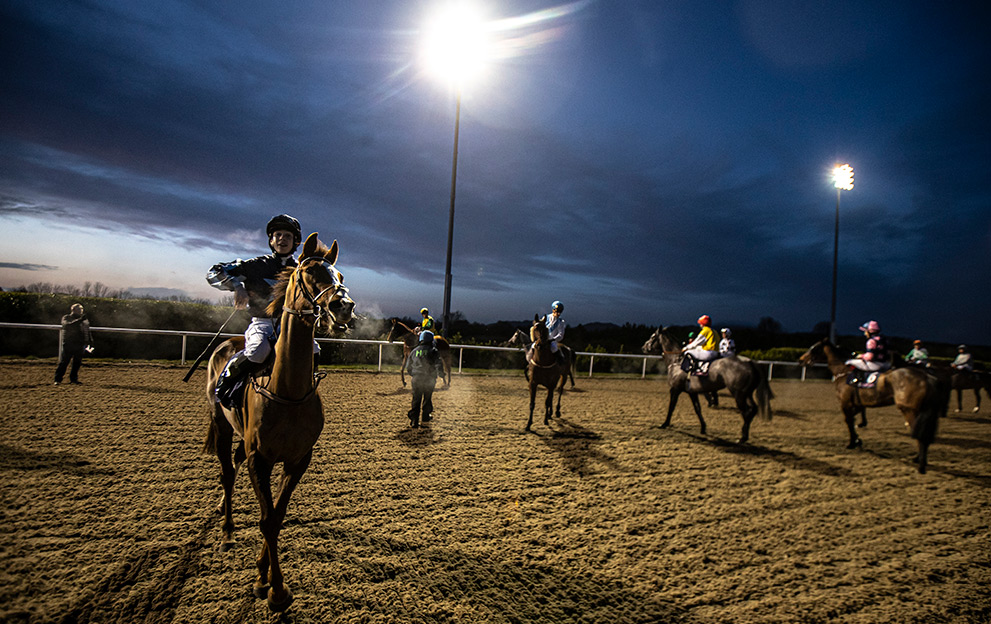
{"x":228,"y":471}
{"x":402,"y":368}
{"x":279,"y":595}
{"x":698,"y":410}
{"x":533,"y":400}
{"x":959,"y":401}
{"x":863,"y":418}
{"x":260,"y":472}
{"x":672,"y":402}
{"x":977,"y":397}
{"x":748,"y":409}
{"x":549,"y":404}
{"x":560,"y":393}
{"x":850,"y":416}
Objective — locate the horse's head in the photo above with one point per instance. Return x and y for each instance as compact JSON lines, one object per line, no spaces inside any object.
{"x":518,"y":339}
{"x":660,"y":343}
{"x":315,"y":289}
{"x":538,"y":331}
{"x":815,"y":354}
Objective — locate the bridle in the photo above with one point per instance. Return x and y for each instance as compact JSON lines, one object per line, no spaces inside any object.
{"x":317,"y":311}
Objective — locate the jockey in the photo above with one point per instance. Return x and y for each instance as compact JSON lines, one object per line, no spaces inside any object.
{"x":876,"y":356}
{"x":964,"y":361}
{"x":918,"y":355}
{"x":428,"y":321}
{"x":704,"y":346}
{"x":252,"y":281}
{"x":555,"y":329}
{"x":727,"y":346}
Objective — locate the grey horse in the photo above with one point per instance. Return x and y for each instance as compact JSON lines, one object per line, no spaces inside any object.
{"x":738,"y":374}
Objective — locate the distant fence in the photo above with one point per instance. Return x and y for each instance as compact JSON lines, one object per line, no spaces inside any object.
{"x":789,"y":367}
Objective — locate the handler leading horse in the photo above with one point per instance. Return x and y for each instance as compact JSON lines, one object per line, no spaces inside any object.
{"x":741,"y":376}
{"x":280,"y":418}
{"x":918,"y":396}
{"x":400,"y":331}
{"x":543,"y":369}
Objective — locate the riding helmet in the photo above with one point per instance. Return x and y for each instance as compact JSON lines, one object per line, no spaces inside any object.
{"x":871,"y":327}
{"x":288,"y":223}
{"x":557,"y":305}
{"x":426,"y":336}
{"x":424,"y":311}
{"x":726,"y":331}
{"x":704,"y":320}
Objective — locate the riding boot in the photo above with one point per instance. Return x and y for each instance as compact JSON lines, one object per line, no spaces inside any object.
{"x":228,"y":385}
{"x":560,"y":357}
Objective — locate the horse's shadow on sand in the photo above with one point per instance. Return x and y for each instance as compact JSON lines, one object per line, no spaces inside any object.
{"x":577,"y":446}
{"x":786,"y":458}
{"x":13,"y":457}
{"x":419,"y":437}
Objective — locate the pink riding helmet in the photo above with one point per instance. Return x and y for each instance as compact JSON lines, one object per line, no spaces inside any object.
{"x":871,"y":327}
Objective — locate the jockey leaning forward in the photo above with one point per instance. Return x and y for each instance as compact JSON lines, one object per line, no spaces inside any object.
{"x":252,"y":281}
{"x":875,"y":356}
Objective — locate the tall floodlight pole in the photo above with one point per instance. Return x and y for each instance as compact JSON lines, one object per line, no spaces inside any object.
{"x":456,"y":48}
{"x":843,"y":181}
{"x":450,"y":220}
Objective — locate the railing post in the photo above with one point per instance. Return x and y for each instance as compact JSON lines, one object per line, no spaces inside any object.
{"x":770,"y":371}
{"x":461,"y":356}
{"x":803,"y":373}
{"x":183,"y":361}
{"x":643,"y":373}
{"x":591,"y":361}
{"x":380,"y":358}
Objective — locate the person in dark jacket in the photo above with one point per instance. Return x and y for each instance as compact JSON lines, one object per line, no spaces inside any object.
{"x":252,"y":281}
{"x":423,"y":366}
{"x":75,"y":341}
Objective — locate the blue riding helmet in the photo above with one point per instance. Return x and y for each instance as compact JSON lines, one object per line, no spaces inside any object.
{"x":426,"y":336}
{"x":557,"y":305}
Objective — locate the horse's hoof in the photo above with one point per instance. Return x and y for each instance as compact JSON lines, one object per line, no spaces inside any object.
{"x":280,"y":605}
{"x":862,"y":425}
{"x":742,"y":440}
{"x":665,"y":425}
{"x":956,"y":411}
{"x":976,"y":409}
{"x":261,"y":591}
{"x":226,"y":546}
{"x":856,"y":444}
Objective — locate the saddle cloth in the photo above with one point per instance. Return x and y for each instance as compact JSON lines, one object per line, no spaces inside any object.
{"x":862,"y":379}
{"x":695,"y":368}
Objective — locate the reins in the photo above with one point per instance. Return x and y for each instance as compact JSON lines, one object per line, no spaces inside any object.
{"x":317,"y":310}
{"x":318,"y":377}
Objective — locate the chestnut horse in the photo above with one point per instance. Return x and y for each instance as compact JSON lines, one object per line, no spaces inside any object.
{"x":738,"y":374}
{"x":281,"y":416}
{"x":543,"y":369}
{"x":916,"y":394}
{"x":520,"y":339}
{"x":410,"y":338}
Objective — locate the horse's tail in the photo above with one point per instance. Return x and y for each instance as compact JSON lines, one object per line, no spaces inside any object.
{"x":210,"y":443}
{"x":764,"y":394}
{"x":933,"y":406}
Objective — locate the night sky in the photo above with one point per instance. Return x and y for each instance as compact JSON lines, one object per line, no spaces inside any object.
{"x":642,"y":161}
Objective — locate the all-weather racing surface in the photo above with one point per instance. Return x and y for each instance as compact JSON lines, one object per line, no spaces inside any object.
{"x":109,"y":508}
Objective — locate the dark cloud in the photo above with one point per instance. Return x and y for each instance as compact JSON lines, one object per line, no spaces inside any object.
{"x":647,"y":163}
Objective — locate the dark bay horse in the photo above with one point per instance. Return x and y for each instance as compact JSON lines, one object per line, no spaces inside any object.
{"x":975,"y":380}
{"x":410,"y":338}
{"x":739,"y":375}
{"x":916,"y":394}
{"x":521,"y":340}
{"x":543,"y":369}
{"x":281,"y":415}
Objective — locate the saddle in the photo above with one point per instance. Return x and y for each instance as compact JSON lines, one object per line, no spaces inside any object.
{"x":694,"y":367}
{"x":863,"y":379}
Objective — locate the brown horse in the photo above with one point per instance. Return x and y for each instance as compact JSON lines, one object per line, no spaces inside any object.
{"x":519,"y":339}
{"x":543,"y":369}
{"x":739,"y":375}
{"x":400,"y":331}
{"x":915,"y":393}
{"x":281,"y":415}
{"x":975,"y":380}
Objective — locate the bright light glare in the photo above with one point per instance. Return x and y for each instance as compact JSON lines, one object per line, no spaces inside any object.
{"x":456,"y":44}
{"x":843,"y":177}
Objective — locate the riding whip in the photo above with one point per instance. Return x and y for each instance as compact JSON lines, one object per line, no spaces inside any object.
{"x":209,"y":347}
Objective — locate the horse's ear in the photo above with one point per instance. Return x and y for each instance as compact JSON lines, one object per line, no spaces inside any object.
{"x":310,"y":246}
{"x":536,"y":318}
{"x":331,"y":254}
